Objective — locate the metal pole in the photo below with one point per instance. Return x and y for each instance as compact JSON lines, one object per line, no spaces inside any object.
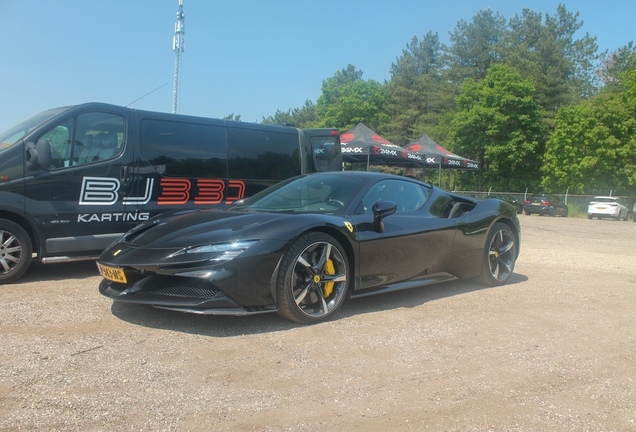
{"x":178,"y":46}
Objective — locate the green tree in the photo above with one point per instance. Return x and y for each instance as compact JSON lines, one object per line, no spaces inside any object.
{"x":615,"y":64}
{"x":347,"y":100}
{"x":561,"y":67}
{"x":303,"y":117}
{"x":475,"y":46}
{"x":234,"y":117}
{"x":593,"y":148}
{"x":500,"y":125}
{"x":417,"y":94}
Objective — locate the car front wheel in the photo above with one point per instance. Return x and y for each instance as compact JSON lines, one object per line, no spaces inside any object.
{"x":15,"y":251}
{"x":313,"y":278}
{"x":500,"y":254}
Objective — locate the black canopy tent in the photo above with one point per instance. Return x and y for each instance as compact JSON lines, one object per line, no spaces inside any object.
{"x":362,"y":145}
{"x":437,"y":156}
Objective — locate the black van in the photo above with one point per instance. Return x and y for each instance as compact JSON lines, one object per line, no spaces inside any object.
{"x":74,"y":179}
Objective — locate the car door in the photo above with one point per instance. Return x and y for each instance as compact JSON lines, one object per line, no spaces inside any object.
{"x":412,"y":240}
{"x":78,"y":202}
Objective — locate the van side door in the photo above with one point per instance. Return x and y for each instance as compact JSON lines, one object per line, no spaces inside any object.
{"x":82,"y":201}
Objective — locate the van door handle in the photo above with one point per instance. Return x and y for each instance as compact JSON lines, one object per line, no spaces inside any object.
{"x":124,"y":174}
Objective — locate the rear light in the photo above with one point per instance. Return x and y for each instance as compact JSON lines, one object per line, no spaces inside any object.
{"x":545,"y":202}
{"x":613,"y":205}
{"x":526,"y":202}
{"x":334,"y":132}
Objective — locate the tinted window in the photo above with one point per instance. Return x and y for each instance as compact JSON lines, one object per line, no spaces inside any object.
{"x":184,"y":149}
{"x":325,"y":154}
{"x":13,"y":134}
{"x":262,"y":155}
{"x":310,"y":194}
{"x":87,"y":138}
{"x":408,"y":196}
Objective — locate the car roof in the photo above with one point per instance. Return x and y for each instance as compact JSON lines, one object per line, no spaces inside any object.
{"x":604,"y":197}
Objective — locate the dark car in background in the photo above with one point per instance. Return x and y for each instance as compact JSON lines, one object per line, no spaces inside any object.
{"x":545,"y":204}
{"x":510,"y":200}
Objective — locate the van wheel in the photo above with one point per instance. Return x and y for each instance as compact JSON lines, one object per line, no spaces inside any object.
{"x":15,"y":251}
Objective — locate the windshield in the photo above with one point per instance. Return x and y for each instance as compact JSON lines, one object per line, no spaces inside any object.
{"x":15,"y":133}
{"x":317,"y":193}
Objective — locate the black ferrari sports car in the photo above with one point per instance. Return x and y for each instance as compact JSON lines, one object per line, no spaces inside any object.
{"x":304,"y":245}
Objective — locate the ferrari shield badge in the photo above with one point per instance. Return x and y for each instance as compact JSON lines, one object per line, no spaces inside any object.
{"x":349,"y":226}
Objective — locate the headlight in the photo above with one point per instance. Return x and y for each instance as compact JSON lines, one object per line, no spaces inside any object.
{"x":221,"y":251}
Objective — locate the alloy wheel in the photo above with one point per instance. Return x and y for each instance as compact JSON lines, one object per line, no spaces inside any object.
{"x":501,"y":255}
{"x":319,"y":279}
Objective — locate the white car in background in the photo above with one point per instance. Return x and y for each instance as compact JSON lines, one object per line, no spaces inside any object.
{"x":607,"y":207}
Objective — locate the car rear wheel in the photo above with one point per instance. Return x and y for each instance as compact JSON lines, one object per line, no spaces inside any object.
{"x":313,"y":278}
{"x":500,"y":254}
{"x":15,"y":251}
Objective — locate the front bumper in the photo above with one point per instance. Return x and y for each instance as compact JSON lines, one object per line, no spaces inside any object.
{"x":182,"y":294}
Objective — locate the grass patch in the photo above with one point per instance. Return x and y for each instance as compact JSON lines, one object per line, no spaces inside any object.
{"x":576,"y":211}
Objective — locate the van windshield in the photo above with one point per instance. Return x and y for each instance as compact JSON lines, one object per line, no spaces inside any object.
{"x":15,"y":133}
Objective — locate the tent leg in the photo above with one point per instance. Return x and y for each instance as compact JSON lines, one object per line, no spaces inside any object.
{"x":479,"y":182}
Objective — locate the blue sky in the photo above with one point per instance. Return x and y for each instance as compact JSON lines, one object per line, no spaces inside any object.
{"x":243,"y":57}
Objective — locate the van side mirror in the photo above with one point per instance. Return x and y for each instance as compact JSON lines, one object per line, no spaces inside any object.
{"x":39,"y":155}
{"x":382,"y":209}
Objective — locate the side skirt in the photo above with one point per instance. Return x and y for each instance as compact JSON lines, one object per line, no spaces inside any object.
{"x":427,"y":280}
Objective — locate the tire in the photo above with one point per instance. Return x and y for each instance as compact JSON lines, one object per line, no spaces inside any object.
{"x":589,"y":217}
{"x":527,"y":213}
{"x":566,"y":212}
{"x":500,"y":254}
{"x":313,"y":279}
{"x":15,"y":251}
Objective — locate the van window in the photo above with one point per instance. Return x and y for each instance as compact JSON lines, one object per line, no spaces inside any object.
{"x":184,"y":149}
{"x":325,"y":154}
{"x":85,"y":139}
{"x":262,"y":155}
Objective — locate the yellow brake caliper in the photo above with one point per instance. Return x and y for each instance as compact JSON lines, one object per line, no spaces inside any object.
{"x":330,"y":270}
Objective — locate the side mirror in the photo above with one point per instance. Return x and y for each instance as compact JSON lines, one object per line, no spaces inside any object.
{"x":382,"y":209}
{"x":31,"y":154}
{"x":39,"y":154}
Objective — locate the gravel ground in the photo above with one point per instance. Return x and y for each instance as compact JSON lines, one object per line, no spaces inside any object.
{"x":553,"y":350}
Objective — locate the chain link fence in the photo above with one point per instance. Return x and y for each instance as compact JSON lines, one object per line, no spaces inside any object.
{"x":577,"y":204}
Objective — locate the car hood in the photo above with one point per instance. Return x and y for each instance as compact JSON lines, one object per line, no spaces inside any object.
{"x":210,"y":226}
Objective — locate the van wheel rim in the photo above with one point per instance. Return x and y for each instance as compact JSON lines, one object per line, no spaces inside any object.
{"x":10,"y":252}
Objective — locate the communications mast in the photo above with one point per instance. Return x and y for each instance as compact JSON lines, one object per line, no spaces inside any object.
{"x":178,"y":46}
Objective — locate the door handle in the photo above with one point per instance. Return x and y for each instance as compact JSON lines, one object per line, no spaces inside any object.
{"x":124,"y":174}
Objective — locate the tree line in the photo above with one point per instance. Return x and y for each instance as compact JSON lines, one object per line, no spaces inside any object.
{"x":536,"y":106}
